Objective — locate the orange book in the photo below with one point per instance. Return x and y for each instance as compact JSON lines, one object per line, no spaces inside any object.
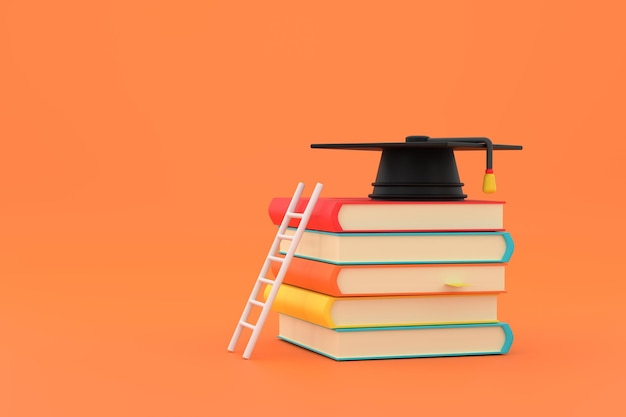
{"x":357,"y":280}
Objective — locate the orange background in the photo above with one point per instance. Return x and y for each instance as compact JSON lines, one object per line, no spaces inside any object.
{"x":143,"y":140}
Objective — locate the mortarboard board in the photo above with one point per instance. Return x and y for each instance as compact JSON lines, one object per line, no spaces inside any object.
{"x":423,"y":168}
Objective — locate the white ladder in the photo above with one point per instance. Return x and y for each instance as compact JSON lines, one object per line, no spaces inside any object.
{"x":273,"y":257}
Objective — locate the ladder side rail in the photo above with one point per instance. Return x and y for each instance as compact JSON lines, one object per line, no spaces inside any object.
{"x":266,"y":265}
{"x":283,"y":269}
{"x":292,"y":248}
{"x":298,"y":234}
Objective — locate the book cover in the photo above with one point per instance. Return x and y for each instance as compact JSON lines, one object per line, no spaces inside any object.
{"x":397,"y":341}
{"x":403,"y":248}
{"x":344,"y":312}
{"x":363,"y":215}
{"x":362,"y":280}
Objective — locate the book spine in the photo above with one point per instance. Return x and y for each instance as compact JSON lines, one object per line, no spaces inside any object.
{"x":315,"y":276}
{"x":325,"y":215}
{"x":305,"y":305}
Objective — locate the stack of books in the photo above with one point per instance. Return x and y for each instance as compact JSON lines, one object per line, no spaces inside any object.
{"x":375,"y":279}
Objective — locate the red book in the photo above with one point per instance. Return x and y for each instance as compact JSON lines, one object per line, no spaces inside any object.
{"x":366,"y":215}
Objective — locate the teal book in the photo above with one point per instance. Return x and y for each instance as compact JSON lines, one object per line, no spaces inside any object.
{"x":403,"y":247}
{"x":366,"y":343}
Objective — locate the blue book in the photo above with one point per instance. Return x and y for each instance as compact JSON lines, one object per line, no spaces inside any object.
{"x":397,"y":342}
{"x":403,"y":247}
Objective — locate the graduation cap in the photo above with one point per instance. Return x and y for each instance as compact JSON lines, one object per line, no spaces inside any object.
{"x":423,"y":168}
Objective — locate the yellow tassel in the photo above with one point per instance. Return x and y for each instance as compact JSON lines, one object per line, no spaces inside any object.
{"x":489,"y":183}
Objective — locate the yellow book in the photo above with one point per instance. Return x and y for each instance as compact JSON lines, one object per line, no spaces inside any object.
{"x":343,"y":312}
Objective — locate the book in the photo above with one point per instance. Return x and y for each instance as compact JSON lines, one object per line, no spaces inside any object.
{"x":363,"y":215}
{"x":397,"y":342}
{"x":402,"y":310}
{"x":361,"y":280}
{"x":399,"y":248}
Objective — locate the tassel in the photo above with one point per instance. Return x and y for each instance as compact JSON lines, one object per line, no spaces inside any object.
{"x":489,"y":182}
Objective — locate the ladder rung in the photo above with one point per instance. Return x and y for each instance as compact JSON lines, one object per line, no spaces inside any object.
{"x":266,"y":281}
{"x":246,"y":324}
{"x":276,"y":258}
{"x":256,"y":302}
{"x":294,"y":215}
{"x":285,"y":237}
